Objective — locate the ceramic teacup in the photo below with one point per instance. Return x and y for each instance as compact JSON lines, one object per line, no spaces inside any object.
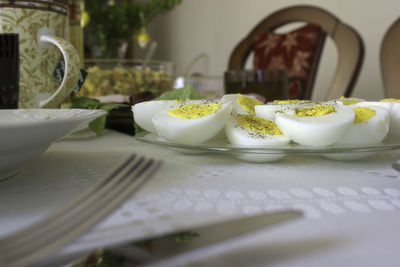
{"x":42,"y":29}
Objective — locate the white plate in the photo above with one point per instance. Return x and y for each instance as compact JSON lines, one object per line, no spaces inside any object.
{"x":26,"y":133}
{"x":268,"y":154}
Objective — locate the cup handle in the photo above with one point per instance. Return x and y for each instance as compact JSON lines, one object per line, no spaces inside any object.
{"x":71,"y":71}
{"x":300,"y":86}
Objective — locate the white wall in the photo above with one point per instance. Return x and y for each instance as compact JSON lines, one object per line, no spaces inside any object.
{"x":214,"y":27}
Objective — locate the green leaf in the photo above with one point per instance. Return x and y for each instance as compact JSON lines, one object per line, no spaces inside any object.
{"x":98,"y":125}
{"x":183,"y":237}
{"x":84,"y":102}
{"x":187,"y":92}
{"x":110,"y":259}
{"x":108,"y":106}
{"x":138,"y":129}
{"x":66,"y":105}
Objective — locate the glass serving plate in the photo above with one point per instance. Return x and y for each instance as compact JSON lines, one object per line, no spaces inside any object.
{"x":266,"y":154}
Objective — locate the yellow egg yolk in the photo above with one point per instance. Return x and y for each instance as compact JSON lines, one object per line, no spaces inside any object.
{"x":248,"y":103}
{"x":258,"y":125}
{"x":194,"y":111}
{"x":390,"y":100}
{"x":348,"y":101}
{"x":290,"y":101}
{"x":315,"y":111}
{"x":363,"y":114}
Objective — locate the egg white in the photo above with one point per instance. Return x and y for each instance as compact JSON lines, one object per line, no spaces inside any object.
{"x":371,"y":131}
{"x":242,"y":136}
{"x":367,"y":104}
{"x":316,"y":131}
{"x":394,"y":112}
{"x":237,"y":108}
{"x":144,"y":112}
{"x":191,"y":131}
{"x":269,"y":110}
{"x":394,"y":131}
{"x":346,"y":101}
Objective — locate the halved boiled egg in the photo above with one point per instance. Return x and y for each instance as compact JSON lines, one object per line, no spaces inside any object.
{"x":289,"y":102}
{"x":393,"y":105}
{"x":242,"y":104}
{"x":394,"y":112}
{"x":348,"y":100}
{"x":192,"y":123}
{"x":144,"y":112}
{"x":251,"y":131}
{"x":319,"y":125}
{"x":268,"y":110}
{"x":370,"y":126}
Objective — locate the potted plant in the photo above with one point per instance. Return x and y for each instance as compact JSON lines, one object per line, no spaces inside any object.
{"x":109,"y":24}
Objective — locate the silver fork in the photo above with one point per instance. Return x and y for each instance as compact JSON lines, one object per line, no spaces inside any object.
{"x":37,"y":242}
{"x":396,"y":165}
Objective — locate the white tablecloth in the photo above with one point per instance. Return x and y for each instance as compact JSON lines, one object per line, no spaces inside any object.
{"x":351,"y":209}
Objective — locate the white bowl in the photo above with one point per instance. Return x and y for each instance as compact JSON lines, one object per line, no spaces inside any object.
{"x":26,"y":133}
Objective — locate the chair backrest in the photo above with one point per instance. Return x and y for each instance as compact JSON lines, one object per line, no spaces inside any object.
{"x":298,"y":52}
{"x":390,"y":60}
{"x":349,"y":45}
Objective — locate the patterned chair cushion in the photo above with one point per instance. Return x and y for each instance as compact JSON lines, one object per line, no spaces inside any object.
{"x":293,"y":51}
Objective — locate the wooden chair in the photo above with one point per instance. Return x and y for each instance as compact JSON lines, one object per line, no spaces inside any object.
{"x":390,"y":60}
{"x":349,"y":45}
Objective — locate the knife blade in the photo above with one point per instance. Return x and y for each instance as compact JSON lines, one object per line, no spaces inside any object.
{"x":203,"y":236}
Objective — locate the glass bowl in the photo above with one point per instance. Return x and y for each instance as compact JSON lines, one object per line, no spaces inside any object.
{"x":127,"y":77}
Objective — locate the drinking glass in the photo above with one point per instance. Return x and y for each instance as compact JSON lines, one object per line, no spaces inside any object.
{"x":272,"y":84}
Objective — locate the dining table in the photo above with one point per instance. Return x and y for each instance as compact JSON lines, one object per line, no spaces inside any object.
{"x":351,"y":209}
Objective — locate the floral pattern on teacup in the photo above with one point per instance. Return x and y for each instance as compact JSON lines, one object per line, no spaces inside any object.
{"x":36,"y":63}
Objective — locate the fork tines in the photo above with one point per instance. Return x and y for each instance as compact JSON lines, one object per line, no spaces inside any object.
{"x":45,"y":237}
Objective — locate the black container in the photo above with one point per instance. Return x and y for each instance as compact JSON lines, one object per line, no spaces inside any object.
{"x":121,"y":119}
{"x":9,"y":70}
